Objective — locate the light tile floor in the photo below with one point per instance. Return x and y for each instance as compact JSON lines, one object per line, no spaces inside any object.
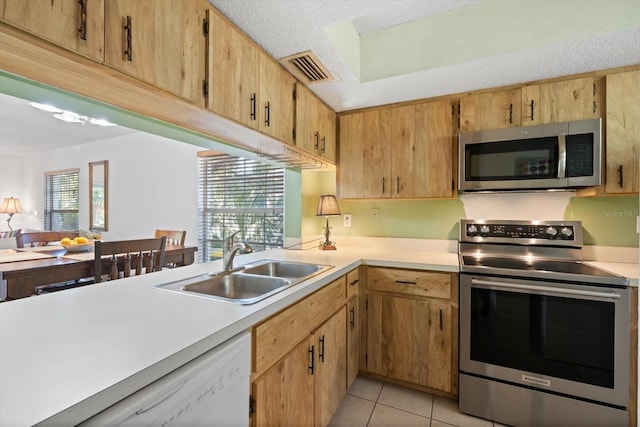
{"x":373,"y":403}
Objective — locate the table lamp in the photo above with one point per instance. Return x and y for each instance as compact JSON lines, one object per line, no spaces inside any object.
{"x":327,"y":206}
{"x":11,"y":205}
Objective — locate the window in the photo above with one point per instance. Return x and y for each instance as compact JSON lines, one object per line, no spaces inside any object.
{"x":238,"y":194}
{"x":61,"y":200}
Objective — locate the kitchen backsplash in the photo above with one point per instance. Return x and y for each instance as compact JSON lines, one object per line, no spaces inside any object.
{"x":607,"y":221}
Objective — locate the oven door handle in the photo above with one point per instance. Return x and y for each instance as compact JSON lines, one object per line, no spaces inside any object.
{"x":489,"y":284}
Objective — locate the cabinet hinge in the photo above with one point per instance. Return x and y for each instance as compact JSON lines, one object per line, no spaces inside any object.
{"x":252,"y":405}
{"x":205,"y":27}
{"x":205,"y":88}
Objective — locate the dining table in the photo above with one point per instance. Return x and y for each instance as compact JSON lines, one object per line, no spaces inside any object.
{"x":24,"y":269}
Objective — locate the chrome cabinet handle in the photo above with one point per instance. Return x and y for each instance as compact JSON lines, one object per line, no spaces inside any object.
{"x":311,"y":359}
{"x":267,"y":114}
{"x":252,"y":115}
{"x":316,"y":137}
{"x":620,"y":177}
{"x":321,"y":352}
{"x":352,"y":322}
{"x":406,"y":282}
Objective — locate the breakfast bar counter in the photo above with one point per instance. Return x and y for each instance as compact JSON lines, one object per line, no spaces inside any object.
{"x":68,"y":355}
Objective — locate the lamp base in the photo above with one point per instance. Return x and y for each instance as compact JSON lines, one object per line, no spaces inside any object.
{"x":324,"y":247}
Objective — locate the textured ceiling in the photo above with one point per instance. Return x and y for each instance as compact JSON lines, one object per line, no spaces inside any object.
{"x":286,"y":27}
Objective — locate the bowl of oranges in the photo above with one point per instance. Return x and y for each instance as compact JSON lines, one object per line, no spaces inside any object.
{"x":77,"y":244}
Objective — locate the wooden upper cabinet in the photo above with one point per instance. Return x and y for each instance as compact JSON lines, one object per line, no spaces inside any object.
{"x":276,"y":100}
{"x":247,"y":85}
{"x":233,"y":72}
{"x":397,"y":152}
{"x":315,"y":125}
{"x":623,"y":132}
{"x":365,"y":152}
{"x":576,"y":99}
{"x":490,"y":110}
{"x":161,"y":42}
{"x":77,"y":25}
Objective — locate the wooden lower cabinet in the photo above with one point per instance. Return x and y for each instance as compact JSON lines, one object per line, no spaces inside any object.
{"x":299,"y":374}
{"x":306,"y":387}
{"x":411,"y":338}
{"x":284,"y":395}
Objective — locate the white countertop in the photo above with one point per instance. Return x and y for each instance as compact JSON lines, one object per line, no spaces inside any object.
{"x":67,"y":355}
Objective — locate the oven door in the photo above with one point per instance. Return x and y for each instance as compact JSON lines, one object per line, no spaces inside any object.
{"x":550,"y":336}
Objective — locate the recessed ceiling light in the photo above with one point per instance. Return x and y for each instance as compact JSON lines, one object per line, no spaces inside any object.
{"x":101,"y":122}
{"x":45,"y":107}
{"x":70,"y":117}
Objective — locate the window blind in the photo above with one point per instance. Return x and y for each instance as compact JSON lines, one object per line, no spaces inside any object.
{"x":238,"y":194}
{"x":61,"y":200}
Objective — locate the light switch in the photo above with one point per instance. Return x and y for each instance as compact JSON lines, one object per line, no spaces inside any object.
{"x":347,"y":220}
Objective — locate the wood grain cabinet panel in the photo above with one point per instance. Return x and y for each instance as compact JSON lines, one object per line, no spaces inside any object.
{"x":411,"y":327}
{"x":276,"y":106}
{"x":161,"y":42}
{"x":284,"y":395}
{"x":364,"y":169}
{"x":315,"y":125}
{"x":490,"y":110}
{"x":401,"y":152}
{"x":561,"y":101}
{"x":77,"y":25}
{"x":353,"y":339}
{"x":623,"y":133}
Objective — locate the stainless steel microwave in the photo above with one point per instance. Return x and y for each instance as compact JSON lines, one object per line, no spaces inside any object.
{"x":554,"y":156}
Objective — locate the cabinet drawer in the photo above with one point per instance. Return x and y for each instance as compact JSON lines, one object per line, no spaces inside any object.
{"x":353,"y":283}
{"x":410,"y":282}
{"x":276,"y":336}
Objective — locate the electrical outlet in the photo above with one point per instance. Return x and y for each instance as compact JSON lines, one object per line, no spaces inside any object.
{"x":347,"y":220}
{"x":375,"y":214}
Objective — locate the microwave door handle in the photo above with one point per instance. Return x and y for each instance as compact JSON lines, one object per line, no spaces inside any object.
{"x":562,"y":156}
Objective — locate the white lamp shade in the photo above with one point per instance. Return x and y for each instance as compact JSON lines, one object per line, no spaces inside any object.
{"x":11,"y":205}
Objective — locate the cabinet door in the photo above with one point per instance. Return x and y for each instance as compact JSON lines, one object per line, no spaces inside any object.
{"x":307,"y":123}
{"x":158,"y":41}
{"x":623,"y":132}
{"x":331,"y":369}
{"x":353,"y":339}
{"x":435,"y":144}
{"x":327,"y":128}
{"x":409,"y":340}
{"x":77,"y":25}
{"x":276,"y":100}
{"x":491,"y":110}
{"x":407,"y":160}
{"x":284,"y":395}
{"x":365,"y":155}
{"x":577,"y":99}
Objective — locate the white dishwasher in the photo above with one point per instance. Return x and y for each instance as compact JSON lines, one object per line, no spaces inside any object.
{"x":211,"y":390}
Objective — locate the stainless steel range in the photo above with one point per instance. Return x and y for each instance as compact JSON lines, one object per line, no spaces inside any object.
{"x":544,"y":337}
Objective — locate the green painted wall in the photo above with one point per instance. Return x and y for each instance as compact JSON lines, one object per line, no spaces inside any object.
{"x":607,"y":221}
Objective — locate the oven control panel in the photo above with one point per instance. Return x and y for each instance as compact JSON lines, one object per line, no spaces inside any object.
{"x":511,"y":230}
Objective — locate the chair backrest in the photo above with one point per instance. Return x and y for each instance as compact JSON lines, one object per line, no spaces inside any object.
{"x":140,"y":256}
{"x":41,"y":238}
{"x":177,"y":236}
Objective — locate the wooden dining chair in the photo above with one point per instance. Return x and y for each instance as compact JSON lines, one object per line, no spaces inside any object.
{"x":127,"y":257}
{"x":175,"y":236}
{"x":41,"y":238}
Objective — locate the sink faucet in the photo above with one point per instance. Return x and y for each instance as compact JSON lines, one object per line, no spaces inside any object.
{"x":229,"y":250}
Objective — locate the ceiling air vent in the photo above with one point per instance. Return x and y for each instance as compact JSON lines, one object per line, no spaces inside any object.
{"x":307,"y":67}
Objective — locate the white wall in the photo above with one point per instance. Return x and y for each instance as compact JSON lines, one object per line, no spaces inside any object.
{"x":152,"y":184}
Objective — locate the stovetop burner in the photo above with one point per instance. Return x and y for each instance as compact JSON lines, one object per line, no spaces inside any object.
{"x":550,"y":250}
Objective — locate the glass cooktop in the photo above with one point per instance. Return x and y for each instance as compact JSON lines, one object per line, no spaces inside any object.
{"x":563,"y":267}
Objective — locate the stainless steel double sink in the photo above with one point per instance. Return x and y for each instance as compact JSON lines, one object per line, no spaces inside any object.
{"x":248,"y":284}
